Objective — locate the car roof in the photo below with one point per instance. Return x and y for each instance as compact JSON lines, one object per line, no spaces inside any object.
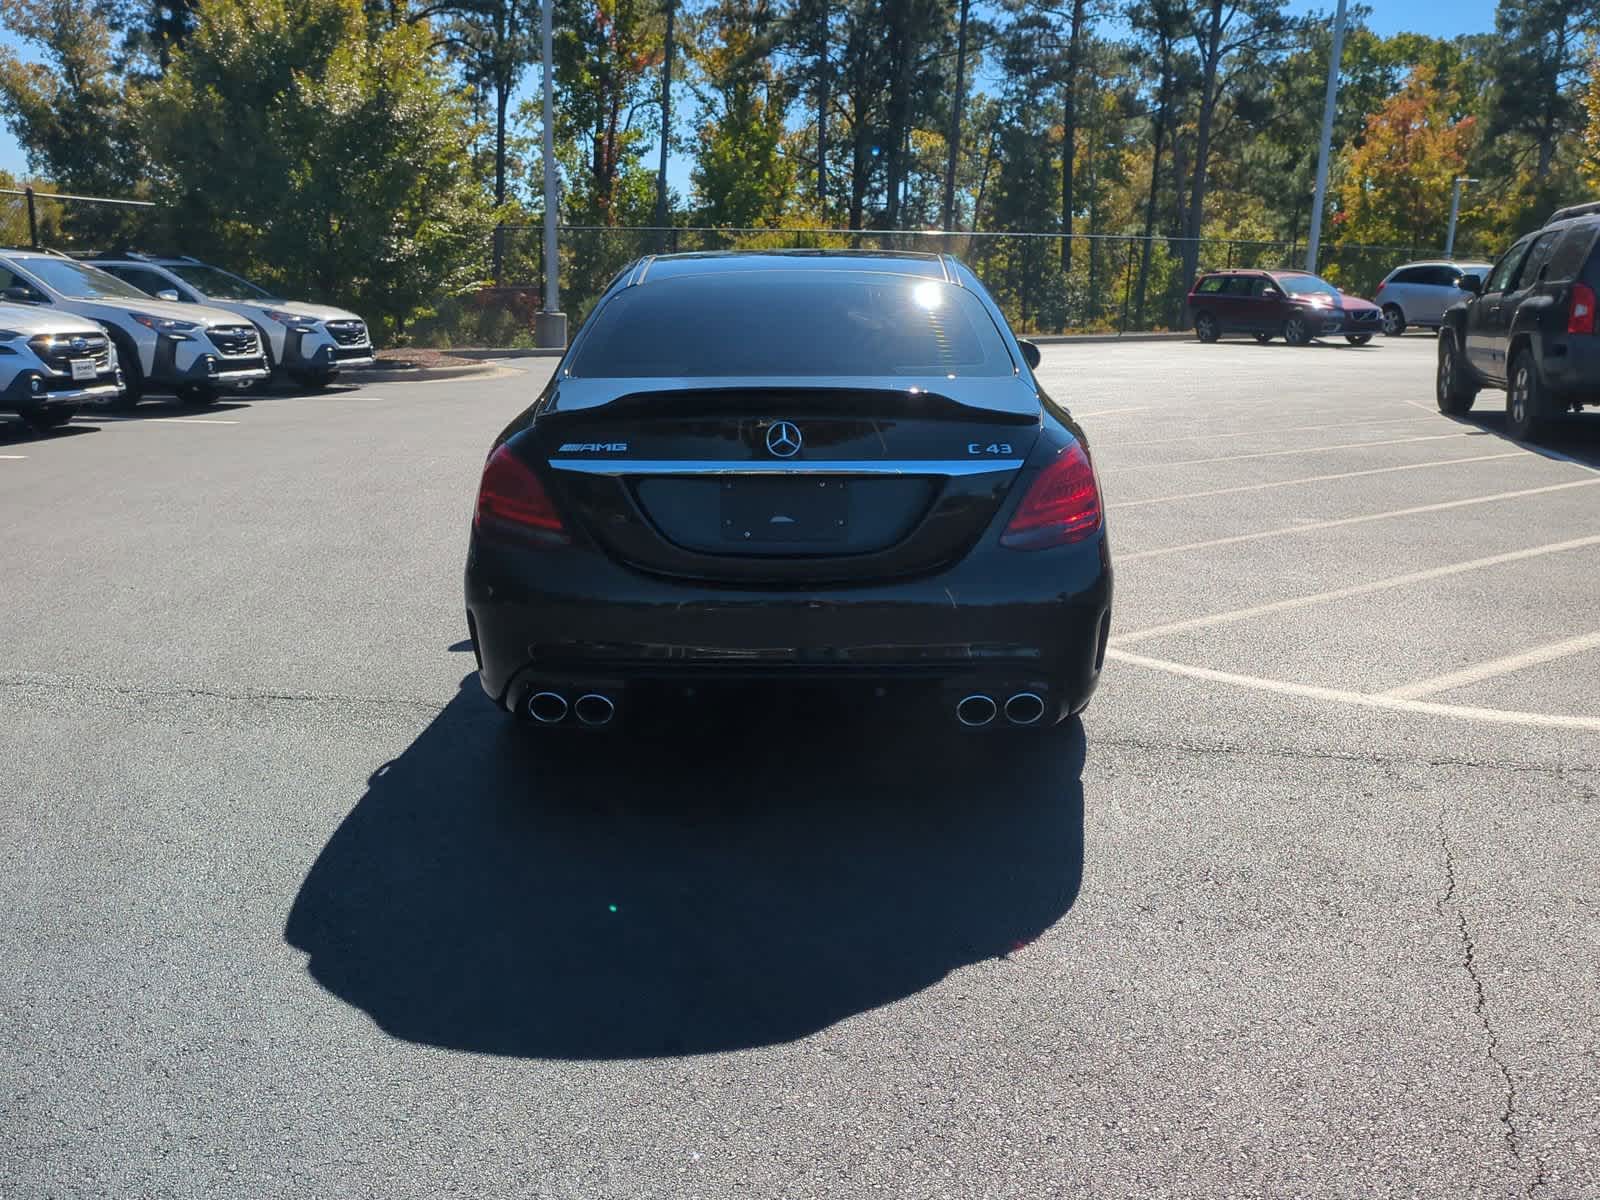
{"x":894,"y":262}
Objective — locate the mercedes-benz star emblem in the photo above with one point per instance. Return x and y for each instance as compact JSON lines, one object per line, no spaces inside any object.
{"x":783,"y":439}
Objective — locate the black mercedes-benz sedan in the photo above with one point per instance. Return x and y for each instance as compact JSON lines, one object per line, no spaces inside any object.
{"x":794,"y":468}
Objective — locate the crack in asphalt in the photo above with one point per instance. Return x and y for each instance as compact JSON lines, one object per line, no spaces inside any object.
{"x":1469,"y":961}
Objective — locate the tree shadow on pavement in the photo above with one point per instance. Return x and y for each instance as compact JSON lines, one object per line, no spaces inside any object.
{"x":695,"y":884}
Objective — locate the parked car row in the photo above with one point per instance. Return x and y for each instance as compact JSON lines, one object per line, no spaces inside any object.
{"x":108,"y":330}
{"x":1301,"y":307}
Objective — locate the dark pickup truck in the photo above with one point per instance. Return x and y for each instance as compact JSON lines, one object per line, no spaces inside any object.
{"x":1529,"y":327}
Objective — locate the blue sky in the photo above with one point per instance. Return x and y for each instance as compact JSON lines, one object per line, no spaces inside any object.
{"x":1437,"y":18}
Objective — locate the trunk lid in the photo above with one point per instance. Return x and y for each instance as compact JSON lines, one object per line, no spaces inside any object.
{"x":774,"y":481}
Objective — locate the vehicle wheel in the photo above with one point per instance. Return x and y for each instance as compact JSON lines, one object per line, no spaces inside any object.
{"x":1358,"y":339}
{"x":1205,"y":327}
{"x":1297,"y":332}
{"x":1394,"y":321}
{"x":1263,"y":338}
{"x":197,"y":394}
{"x":1454,"y":390}
{"x":1525,"y":401}
{"x":52,"y":418}
{"x":132,"y":379}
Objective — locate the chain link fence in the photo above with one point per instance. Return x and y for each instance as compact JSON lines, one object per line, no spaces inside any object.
{"x":1045,"y":282}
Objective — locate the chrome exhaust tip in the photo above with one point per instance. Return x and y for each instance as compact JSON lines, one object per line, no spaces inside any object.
{"x":1025,"y":708}
{"x":547,"y":708}
{"x":976,"y":711}
{"x":594,"y":710}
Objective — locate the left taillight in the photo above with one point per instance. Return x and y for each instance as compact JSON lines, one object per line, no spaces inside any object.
{"x":511,"y":499}
{"x":1061,"y":505}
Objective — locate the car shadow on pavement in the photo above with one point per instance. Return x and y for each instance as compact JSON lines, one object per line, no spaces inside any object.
{"x":697,"y":884}
{"x":1572,"y":435}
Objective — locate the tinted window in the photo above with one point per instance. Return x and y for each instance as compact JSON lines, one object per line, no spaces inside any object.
{"x":1529,"y":275}
{"x":1211,"y":283}
{"x":1508,"y":263}
{"x":1444,"y":277}
{"x":1410,"y":275}
{"x":217,"y":283}
{"x":145,"y":280}
{"x":792,"y":323}
{"x":1571,"y":252}
{"x":1239,"y":285}
{"x":1260,"y":284}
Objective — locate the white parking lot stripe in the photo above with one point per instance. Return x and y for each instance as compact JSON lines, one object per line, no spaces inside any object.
{"x":14,"y":457}
{"x":1359,"y":589}
{"x":1364,"y":699}
{"x":1215,"y":437}
{"x":1313,"y":526}
{"x":1106,"y":412}
{"x":1495,"y":667}
{"x":1195,"y":462}
{"x":1278,"y":483}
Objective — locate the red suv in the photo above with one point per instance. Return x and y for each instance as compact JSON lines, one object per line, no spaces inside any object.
{"x":1298,"y":305}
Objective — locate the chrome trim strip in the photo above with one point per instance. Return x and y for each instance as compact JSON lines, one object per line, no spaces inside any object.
{"x":787,"y":466}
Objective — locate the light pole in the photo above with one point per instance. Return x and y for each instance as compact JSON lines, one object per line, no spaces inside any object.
{"x":550,"y":323}
{"x":1337,"y":53}
{"x":1455,"y":209}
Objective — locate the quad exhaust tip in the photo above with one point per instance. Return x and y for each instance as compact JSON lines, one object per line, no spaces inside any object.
{"x":1025,"y":708}
{"x":594,"y":709}
{"x":976,"y":711}
{"x":547,"y":708}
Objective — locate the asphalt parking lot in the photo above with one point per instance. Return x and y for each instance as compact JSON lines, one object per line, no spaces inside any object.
{"x":1305,"y":905}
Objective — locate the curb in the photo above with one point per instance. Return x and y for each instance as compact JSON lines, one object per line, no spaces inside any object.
{"x":1067,"y":339}
{"x":422,"y":374}
{"x":486,"y":352}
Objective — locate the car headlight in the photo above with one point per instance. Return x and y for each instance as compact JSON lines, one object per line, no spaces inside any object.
{"x":295,"y":321}
{"x":167,"y":325}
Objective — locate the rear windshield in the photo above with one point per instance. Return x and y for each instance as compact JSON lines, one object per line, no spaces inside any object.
{"x":792,"y":323}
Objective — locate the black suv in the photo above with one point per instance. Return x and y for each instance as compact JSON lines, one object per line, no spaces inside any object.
{"x":1530,"y":327}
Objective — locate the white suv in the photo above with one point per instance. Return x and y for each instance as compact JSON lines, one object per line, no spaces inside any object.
{"x":1418,"y":293}
{"x":195,"y":352}
{"x":310,"y":343}
{"x":51,"y":364}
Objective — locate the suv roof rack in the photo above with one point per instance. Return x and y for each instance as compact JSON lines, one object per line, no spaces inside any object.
{"x":1574,"y":210}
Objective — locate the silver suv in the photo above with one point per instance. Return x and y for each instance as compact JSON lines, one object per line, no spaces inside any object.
{"x":310,"y":343}
{"x":196,"y":352}
{"x":51,"y":364}
{"x":1418,"y":293}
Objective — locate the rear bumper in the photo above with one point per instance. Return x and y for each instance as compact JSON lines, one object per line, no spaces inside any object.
{"x":1571,"y":367}
{"x":1000,"y":620}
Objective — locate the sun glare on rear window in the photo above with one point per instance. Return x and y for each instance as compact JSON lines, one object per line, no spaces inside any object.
{"x":775,"y":324}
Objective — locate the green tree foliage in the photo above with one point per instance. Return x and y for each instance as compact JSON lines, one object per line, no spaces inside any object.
{"x":69,"y":111}
{"x":1590,"y":165}
{"x":297,"y":140}
{"x":743,"y":176}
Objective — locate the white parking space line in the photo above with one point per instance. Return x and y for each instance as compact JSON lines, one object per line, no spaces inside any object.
{"x":1359,"y":589}
{"x":1215,"y":437}
{"x":1495,"y":668}
{"x":13,"y":457}
{"x":1313,"y":526}
{"x":1106,"y":412}
{"x":1278,"y":483}
{"x":1363,"y":699}
{"x":1195,"y":462}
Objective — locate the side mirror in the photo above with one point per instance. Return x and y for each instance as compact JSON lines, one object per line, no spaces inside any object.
{"x":1030,"y":353}
{"x":1271,"y":293}
{"x":1471,"y":283}
{"x":22,"y":295}
{"x":168,"y":294}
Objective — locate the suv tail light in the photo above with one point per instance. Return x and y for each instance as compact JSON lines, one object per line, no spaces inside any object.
{"x":1379,"y":292}
{"x":1061,"y":506}
{"x":510,"y":497}
{"x":1580,"y":309}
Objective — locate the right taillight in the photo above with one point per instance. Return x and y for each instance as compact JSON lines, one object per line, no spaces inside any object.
{"x":1061,"y":505}
{"x":1580,"y":309}
{"x":511,"y":499}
